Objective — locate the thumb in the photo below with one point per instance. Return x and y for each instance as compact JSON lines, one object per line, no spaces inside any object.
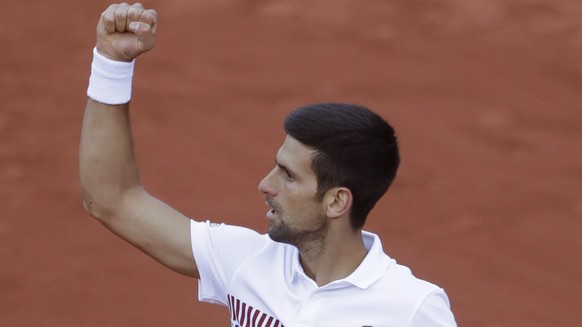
{"x":140,"y":29}
{"x":145,"y":35}
{"x":145,"y":25}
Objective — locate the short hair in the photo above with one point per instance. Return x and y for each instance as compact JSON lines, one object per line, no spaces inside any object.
{"x":354,"y":148}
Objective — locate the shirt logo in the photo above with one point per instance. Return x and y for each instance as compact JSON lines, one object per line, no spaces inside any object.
{"x":242,"y":314}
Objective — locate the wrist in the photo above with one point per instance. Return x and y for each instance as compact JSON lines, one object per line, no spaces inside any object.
{"x":110,"y":81}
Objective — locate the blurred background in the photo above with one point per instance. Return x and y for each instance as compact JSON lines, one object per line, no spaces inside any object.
{"x":486,"y":97}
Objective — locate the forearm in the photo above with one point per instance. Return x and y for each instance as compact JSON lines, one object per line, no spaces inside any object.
{"x":110,"y":183}
{"x":107,"y":162}
{"x":108,"y":168}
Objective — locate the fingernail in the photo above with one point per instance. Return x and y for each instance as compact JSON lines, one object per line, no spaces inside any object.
{"x":133,"y":26}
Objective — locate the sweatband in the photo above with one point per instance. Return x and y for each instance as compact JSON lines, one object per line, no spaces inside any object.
{"x":110,"y":80}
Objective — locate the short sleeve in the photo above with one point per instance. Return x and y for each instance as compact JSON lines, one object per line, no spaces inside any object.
{"x":434,"y":311}
{"x":219,"y":250}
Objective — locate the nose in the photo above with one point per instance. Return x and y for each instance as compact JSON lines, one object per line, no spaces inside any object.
{"x":266,"y":185}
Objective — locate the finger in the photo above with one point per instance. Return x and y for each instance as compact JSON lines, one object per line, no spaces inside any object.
{"x":150,"y":17}
{"x":121,"y":17}
{"x":142,"y":30}
{"x":108,"y":18}
{"x":133,"y":14}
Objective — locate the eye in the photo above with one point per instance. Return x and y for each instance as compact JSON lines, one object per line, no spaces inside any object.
{"x":288,"y":176}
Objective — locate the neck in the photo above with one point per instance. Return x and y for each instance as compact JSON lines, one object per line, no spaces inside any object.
{"x":333,"y":257}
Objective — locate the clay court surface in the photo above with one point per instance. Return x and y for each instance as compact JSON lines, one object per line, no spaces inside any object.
{"x":486,"y":97}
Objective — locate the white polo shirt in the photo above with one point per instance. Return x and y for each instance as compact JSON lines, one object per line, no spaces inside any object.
{"x":263,"y":285}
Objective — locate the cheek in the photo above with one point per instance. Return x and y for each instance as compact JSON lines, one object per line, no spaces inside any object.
{"x":305,"y":212}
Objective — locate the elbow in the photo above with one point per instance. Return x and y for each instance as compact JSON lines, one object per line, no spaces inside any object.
{"x":107,"y":205}
{"x":96,"y":209}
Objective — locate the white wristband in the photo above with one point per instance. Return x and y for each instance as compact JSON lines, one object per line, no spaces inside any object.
{"x":110,"y":80}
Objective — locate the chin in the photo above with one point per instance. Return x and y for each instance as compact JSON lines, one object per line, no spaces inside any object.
{"x":276,"y":235}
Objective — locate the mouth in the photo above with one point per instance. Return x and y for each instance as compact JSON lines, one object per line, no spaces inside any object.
{"x":272,"y":213}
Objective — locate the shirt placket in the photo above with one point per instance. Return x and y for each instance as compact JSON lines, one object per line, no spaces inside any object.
{"x":310,"y":309}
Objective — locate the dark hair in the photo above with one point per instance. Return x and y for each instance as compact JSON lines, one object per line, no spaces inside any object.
{"x":355,"y":148}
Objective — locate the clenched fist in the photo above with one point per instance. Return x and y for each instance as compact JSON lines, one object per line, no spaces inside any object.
{"x":126,"y":31}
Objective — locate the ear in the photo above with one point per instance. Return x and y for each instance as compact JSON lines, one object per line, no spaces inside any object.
{"x":338,"y":201}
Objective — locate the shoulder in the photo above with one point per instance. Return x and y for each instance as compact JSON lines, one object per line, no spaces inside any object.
{"x":205,"y":229}
{"x":224,"y":241}
{"x":400,"y":279}
{"x":412,"y":299}
{"x":390,"y":275}
{"x":427,"y":304}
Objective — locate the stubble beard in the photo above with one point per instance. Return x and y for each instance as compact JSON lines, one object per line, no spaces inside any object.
{"x":302,"y":238}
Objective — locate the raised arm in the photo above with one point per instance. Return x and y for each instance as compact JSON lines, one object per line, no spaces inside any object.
{"x":110,"y":183}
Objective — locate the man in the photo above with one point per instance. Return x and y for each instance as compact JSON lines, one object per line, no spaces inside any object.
{"x":316,"y":267}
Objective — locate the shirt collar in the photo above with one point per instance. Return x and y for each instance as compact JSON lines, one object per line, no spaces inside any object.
{"x":369,"y":271}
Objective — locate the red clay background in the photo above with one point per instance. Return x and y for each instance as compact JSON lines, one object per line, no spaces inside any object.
{"x":486,"y":97}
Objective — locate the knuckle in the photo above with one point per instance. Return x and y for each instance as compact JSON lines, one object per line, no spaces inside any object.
{"x":107,"y":18}
{"x":119,"y":13}
{"x":132,"y":12}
